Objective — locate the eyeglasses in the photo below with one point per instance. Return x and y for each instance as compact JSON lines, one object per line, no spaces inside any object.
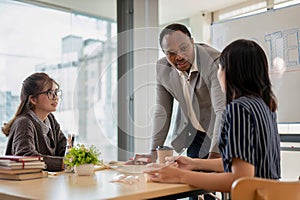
{"x":52,"y":94}
{"x":182,"y":51}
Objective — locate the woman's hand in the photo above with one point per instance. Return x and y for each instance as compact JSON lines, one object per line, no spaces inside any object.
{"x":183,"y":162}
{"x":166,"y":174}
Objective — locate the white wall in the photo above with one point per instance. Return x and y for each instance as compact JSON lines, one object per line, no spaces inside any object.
{"x":200,"y":27}
{"x":290,"y":162}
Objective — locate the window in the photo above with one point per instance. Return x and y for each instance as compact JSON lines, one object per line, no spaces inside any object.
{"x":285,"y":3}
{"x":76,"y":50}
{"x":251,"y":8}
{"x":244,"y":11}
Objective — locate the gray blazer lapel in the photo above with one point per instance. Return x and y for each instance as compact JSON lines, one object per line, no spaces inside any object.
{"x":193,"y":83}
{"x":195,"y":76}
{"x":176,"y":83}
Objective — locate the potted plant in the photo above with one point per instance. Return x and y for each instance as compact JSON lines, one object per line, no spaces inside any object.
{"x":82,"y":159}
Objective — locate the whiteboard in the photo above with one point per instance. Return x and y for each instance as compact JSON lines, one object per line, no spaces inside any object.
{"x":278,"y":32}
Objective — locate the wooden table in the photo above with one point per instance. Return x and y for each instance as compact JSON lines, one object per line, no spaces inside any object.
{"x":98,"y":186}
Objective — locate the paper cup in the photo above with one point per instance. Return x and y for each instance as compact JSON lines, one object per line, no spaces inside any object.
{"x":162,"y":152}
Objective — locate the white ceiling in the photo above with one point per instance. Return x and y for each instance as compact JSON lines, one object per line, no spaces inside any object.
{"x":175,"y":10}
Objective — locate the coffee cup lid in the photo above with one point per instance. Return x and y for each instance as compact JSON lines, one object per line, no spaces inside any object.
{"x":164,"y":148}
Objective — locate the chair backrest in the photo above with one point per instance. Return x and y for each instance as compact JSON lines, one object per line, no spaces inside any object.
{"x":251,"y":188}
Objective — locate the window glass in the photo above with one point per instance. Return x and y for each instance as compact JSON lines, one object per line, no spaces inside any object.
{"x":79,"y":52}
{"x":255,"y":8}
{"x":244,"y":11}
{"x":284,"y":3}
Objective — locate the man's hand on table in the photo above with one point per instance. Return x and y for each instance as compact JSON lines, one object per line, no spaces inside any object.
{"x":142,"y":159}
{"x":213,"y":155}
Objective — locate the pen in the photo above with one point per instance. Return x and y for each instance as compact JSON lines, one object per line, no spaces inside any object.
{"x":180,"y":153}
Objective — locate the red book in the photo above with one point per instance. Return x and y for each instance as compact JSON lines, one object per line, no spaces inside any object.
{"x":22,"y":165}
{"x":21,"y":158}
{"x":21,"y":162}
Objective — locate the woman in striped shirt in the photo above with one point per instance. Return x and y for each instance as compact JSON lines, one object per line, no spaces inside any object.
{"x":249,"y":141}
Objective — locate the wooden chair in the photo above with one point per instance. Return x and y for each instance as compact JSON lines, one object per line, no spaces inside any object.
{"x":250,"y":188}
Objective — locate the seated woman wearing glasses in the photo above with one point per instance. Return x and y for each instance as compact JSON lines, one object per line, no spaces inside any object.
{"x":34,"y":130}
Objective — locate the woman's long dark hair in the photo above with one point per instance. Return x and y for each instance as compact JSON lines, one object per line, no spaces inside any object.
{"x":32,"y":85}
{"x":247,"y":72}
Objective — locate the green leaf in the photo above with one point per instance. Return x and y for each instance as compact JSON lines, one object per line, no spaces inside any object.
{"x":82,"y":155}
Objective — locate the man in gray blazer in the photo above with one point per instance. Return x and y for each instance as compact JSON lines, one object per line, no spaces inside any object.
{"x":188,"y":74}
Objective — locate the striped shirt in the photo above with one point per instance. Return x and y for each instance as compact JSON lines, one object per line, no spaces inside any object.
{"x":249,"y":132}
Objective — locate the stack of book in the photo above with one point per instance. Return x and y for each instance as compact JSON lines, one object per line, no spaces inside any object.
{"x":22,"y":167}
